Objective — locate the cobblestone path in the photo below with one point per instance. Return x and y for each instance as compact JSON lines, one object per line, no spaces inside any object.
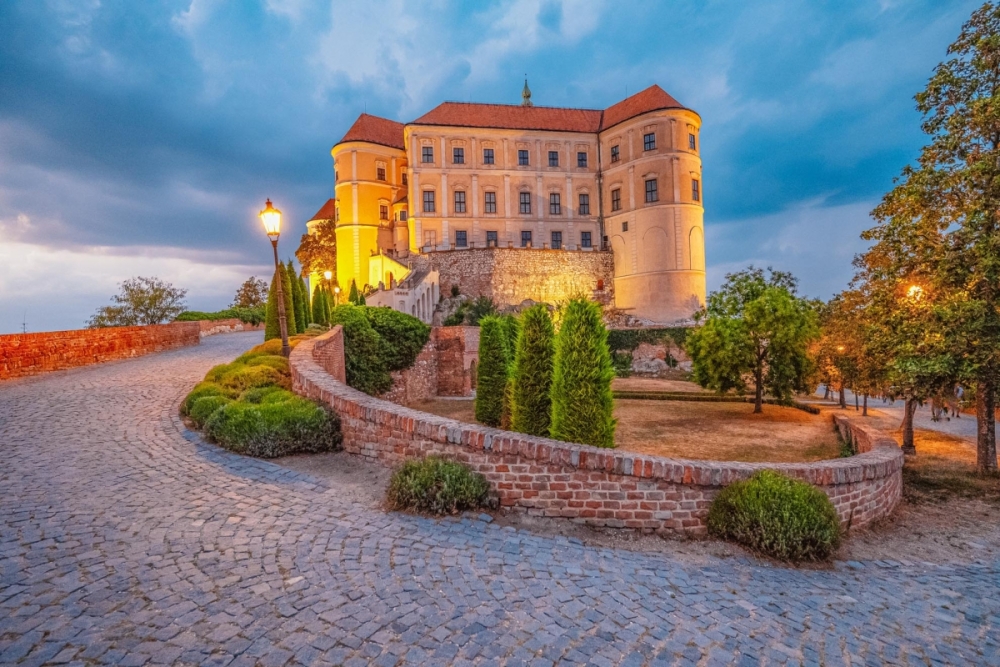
{"x":124,"y":539}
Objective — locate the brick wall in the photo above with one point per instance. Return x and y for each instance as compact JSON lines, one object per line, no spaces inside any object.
{"x":30,"y":354}
{"x":458,"y":348}
{"x":212,"y":327}
{"x":595,"y":486}
{"x":419,"y":382}
{"x":511,"y":275}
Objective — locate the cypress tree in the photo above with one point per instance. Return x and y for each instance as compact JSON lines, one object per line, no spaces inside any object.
{"x":511,"y":329}
{"x":491,"y":377}
{"x":286,"y":286}
{"x":319,"y":314}
{"x":300,"y":323}
{"x":531,"y":377}
{"x":306,"y":303}
{"x":329,"y":305}
{"x":581,"y":381}
{"x":353,"y":296}
{"x":271,"y":327}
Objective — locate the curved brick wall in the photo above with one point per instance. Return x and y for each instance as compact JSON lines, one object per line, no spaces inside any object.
{"x":595,"y":486}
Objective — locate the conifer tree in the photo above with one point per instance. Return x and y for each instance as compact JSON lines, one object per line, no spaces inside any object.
{"x":491,"y":376}
{"x":319,"y":311}
{"x":306,"y":302}
{"x":272,"y":329}
{"x":300,"y":312}
{"x":581,"y":381}
{"x":353,"y":296}
{"x":286,"y":286}
{"x":330,"y":304}
{"x":512,"y":329}
{"x":531,"y":377}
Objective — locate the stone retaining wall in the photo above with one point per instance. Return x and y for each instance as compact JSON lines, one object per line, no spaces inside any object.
{"x":595,"y":486}
{"x":30,"y":354}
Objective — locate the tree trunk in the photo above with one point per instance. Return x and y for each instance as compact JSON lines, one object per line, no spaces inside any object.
{"x":826,"y":392}
{"x":843,"y":401}
{"x":864,"y":410}
{"x":855,"y":401}
{"x":986,"y":436}
{"x":758,"y":401}
{"x":909,"y":407}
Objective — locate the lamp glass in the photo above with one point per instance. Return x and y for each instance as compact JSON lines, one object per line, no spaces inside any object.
{"x":271,"y":217}
{"x":328,"y":274}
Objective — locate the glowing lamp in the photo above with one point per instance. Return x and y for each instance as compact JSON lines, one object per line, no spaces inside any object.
{"x":328,"y":275}
{"x":336,"y":290}
{"x":840,"y":348}
{"x":271,"y":217}
{"x":915,"y":292}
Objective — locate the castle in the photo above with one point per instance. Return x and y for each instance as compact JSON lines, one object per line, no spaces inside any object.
{"x":525,"y":202}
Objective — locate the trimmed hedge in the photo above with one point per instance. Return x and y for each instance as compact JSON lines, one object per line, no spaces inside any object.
{"x":253,"y":315}
{"x":436,"y":485}
{"x":778,"y":516}
{"x":203,"y":408}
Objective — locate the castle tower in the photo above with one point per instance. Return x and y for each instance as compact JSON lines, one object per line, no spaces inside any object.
{"x":370,"y":172}
{"x":652,"y":203}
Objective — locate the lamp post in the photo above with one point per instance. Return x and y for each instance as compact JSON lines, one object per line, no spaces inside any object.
{"x":271,"y":217}
{"x":336,"y":295}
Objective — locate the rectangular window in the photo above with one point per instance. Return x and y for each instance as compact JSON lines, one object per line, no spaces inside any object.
{"x":581,"y":159}
{"x":692,"y":142}
{"x":555,"y":204}
{"x":616,"y":199}
{"x":585,"y":241}
{"x":649,"y":141}
{"x":553,"y":158}
{"x":402,"y":216}
{"x":522,"y":158}
{"x":525,"y":203}
{"x":427,"y":154}
{"x":487,"y":156}
{"x":651,"y":193}
{"x":461,"y":238}
{"x":491,"y":239}
{"x":405,"y":179}
{"x":584,"y":208}
{"x":430,"y":238}
{"x":525,"y":239}
{"x":490,"y":203}
{"x":380,"y":173}
{"x":458,"y":155}
{"x":614,"y":154}
{"x":625,"y":226}
{"x":459,"y":201}
{"x":383,"y":212}
{"x":695,"y":190}
{"x":428,"y":201}
{"x":557,"y":240}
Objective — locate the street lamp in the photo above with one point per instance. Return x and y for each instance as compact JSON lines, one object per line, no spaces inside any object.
{"x":336,"y":295}
{"x":271,"y":217}
{"x":915,"y":292}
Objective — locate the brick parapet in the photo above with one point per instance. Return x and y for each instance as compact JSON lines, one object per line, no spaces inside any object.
{"x":30,"y":354}
{"x":595,"y":486}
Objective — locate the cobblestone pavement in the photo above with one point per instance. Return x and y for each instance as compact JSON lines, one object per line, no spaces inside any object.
{"x":125,"y":539}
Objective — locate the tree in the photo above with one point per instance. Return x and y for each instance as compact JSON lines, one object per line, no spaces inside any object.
{"x":317,"y":251}
{"x":941,"y":221}
{"x":755,"y":330}
{"x":286,"y":286}
{"x":512,"y":329}
{"x":581,"y":380}
{"x":491,"y":377}
{"x":272,"y":327}
{"x":531,"y":378}
{"x":140,"y":302}
{"x":306,"y":302}
{"x":354,"y":295}
{"x":320,"y":312}
{"x":298,"y":299}
{"x":251,"y":294}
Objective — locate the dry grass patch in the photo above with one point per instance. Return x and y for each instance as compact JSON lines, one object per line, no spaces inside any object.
{"x":654,"y":384}
{"x":707,"y":431}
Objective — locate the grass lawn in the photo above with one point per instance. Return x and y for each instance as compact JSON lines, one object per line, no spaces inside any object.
{"x":716,"y":431}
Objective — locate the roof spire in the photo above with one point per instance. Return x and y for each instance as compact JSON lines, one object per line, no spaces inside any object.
{"x":526,"y":94}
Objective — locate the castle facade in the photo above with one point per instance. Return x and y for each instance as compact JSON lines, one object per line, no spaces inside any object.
{"x":624,"y":181}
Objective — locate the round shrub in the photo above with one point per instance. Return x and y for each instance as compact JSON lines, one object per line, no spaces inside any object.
{"x":403,"y":335}
{"x":778,"y":516}
{"x":205,"y":406}
{"x":260,"y":394}
{"x":203,"y":389}
{"x":241,"y":377}
{"x":436,"y":485}
{"x":274,"y":361}
{"x":268,"y":430}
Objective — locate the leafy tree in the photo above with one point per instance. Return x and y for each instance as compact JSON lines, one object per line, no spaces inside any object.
{"x":317,"y":251}
{"x":755,"y":330}
{"x":251,"y":294}
{"x":141,"y":301}
{"x":581,"y":379}
{"x":941,"y":221}
{"x":531,"y":378}
{"x":491,"y":376}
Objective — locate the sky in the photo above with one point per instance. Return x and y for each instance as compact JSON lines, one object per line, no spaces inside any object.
{"x":141,"y":138}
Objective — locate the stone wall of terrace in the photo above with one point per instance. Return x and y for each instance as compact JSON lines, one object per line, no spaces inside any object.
{"x":600,"y":487}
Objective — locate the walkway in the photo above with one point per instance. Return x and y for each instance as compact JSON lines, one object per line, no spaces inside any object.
{"x":125,"y":539}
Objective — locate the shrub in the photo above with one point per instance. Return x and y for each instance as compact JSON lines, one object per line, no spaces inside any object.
{"x":436,"y":485}
{"x":491,"y":378}
{"x":260,"y":394}
{"x":203,"y":389}
{"x":272,"y":327}
{"x":403,"y":336}
{"x":241,"y":377}
{"x":364,"y":351}
{"x":277,"y":362}
{"x":581,"y":381}
{"x":622,"y":362}
{"x":531,"y":377}
{"x":320,"y":314}
{"x":204,"y":407}
{"x":275,"y":429}
{"x":480,"y":307}
{"x":777,"y":516}
{"x":251,"y":315}
{"x":286,"y":287}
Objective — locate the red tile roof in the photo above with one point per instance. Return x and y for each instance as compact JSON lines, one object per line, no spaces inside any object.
{"x":511,"y":117}
{"x":327,"y":212}
{"x":376,"y":130}
{"x":651,"y":99}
